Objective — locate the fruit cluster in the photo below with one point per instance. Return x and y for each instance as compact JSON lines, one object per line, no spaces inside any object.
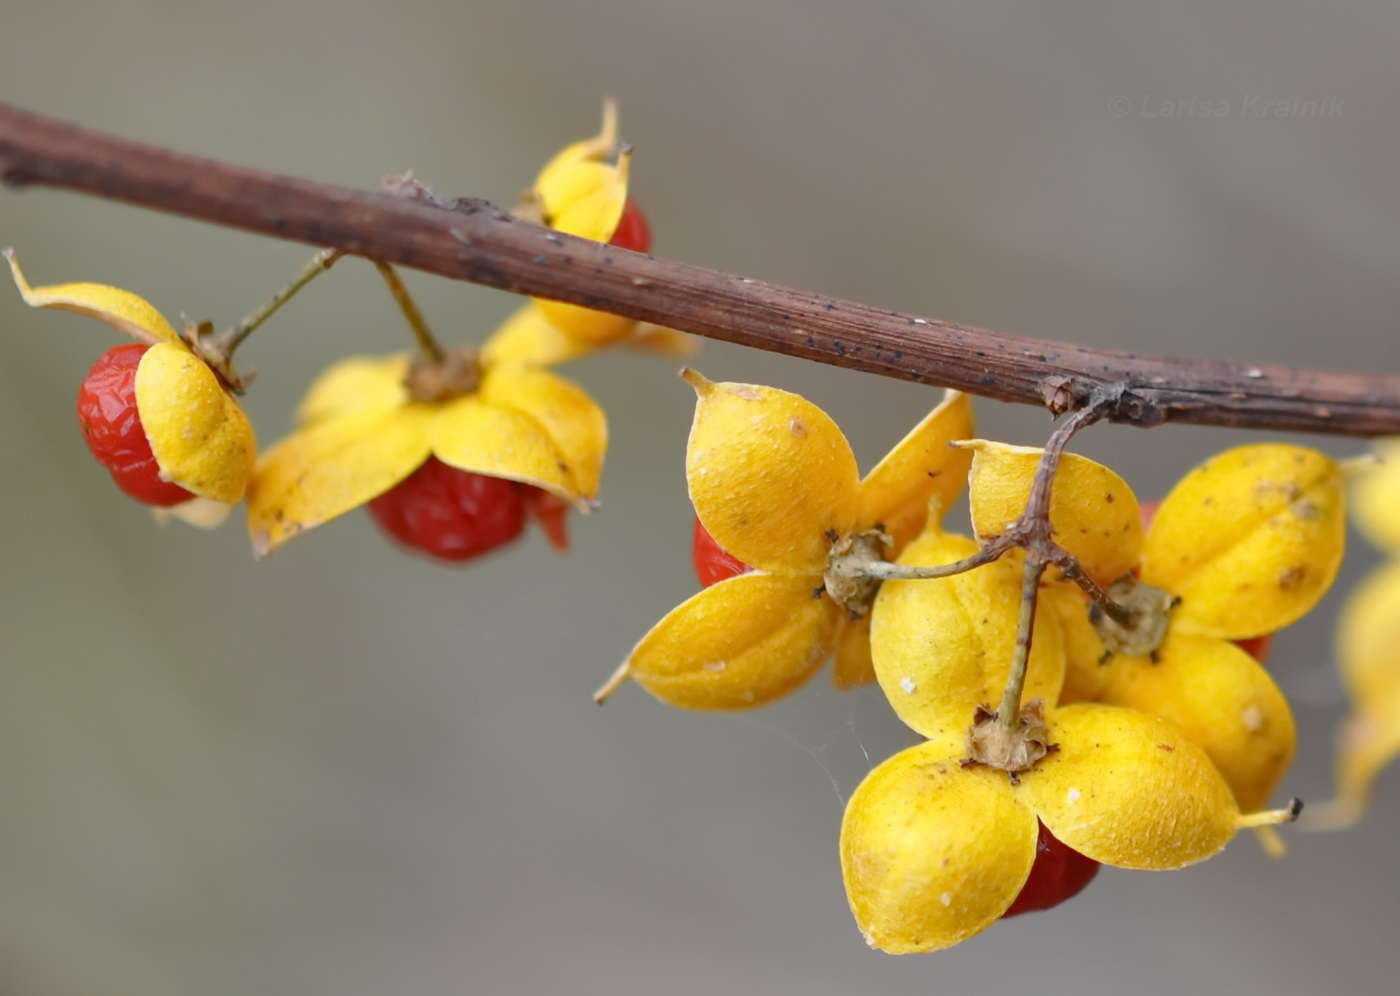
{"x":452,"y":452}
{"x":1141,"y":737}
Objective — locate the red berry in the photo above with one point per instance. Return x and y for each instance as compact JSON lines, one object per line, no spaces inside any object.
{"x":451,"y":514}
{"x":712,"y":563}
{"x":1059,"y":872}
{"x":549,"y":510}
{"x":1257,"y":647}
{"x":112,"y":427}
{"x":633,"y":232}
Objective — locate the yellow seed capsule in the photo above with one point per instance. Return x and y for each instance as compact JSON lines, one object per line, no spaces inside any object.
{"x":1093,"y":513}
{"x":738,"y":644}
{"x":1087,"y":673}
{"x":1223,"y":700}
{"x":771,"y":476}
{"x":1368,"y":648}
{"x":1375,"y":494}
{"x":943,"y":647}
{"x":1249,"y":540}
{"x":922,"y":468}
{"x":1130,"y":790}
{"x":932,"y":854}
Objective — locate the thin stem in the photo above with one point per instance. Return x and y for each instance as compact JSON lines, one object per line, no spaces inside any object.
{"x":888,"y":570}
{"x":1272,"y":817}
{"x":613,"y":683}
{"x":477,"y":241}
{"x":427,"y":345}
{"x":1008,"y":713}
{"x":230,"y":340}
{"x":1121,"y":614}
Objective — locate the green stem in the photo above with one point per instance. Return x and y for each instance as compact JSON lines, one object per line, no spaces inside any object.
{"x":232,"y":338}
{"x":1009,"y":711}
{"x":427,"y":345}
{"x":886,"y":570}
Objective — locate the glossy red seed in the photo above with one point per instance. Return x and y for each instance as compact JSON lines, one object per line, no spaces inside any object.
{"x":112,"y":427}
{"x":633,"y":232}
{"x":450,"y":514}
{"x":712,"y":563}
{"x":1059,"y":873}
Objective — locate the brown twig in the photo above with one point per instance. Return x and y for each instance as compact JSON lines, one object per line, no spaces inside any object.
{"x":473,"y":240}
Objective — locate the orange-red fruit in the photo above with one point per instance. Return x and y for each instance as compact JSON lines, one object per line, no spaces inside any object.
{"x":112,"y":427}
{"x":632,"y":232}
{"x":713,"y":563}
{"x":451,"y":514}
{"x":1059,"y":873}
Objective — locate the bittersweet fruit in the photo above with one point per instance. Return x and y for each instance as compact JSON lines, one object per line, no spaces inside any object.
{"x":633,"y":231}
{"x":450,"y":514}
{"x":112,"y":427}
{"x":713,"y":563}
{"x":1059,"y":873}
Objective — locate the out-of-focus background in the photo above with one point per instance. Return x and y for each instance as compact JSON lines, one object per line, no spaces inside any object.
{"x":349,"y":771}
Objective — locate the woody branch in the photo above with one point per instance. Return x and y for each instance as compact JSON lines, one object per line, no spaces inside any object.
{"x":475,"y":241}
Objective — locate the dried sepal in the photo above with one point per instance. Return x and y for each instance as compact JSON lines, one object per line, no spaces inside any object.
{"x":1249,"y":540}
{"x":1093,"y":513}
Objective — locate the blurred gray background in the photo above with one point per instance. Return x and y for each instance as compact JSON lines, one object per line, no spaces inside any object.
{"x":347,"y":771}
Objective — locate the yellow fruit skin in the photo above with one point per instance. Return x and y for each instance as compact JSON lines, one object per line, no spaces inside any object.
{"x":943,"y":647}
{"x":1087,"y":674}
{"x":1376,"y":497}
{"x":201,"y":439}
{"x":580,"y":193}
{"x":1224,"y":701}
{"x":1130,"y":790}
{"x":932,"y":854}
{"x":1369,"y":660}
{"x":1093,"y":513}
{"x":922,"y":468}
{"x":771,"y":476}
{"x":738,"y":644}
{"x":1249,"y":540}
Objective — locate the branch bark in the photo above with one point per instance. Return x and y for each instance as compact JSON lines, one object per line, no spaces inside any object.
{"x":479,"y":242}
